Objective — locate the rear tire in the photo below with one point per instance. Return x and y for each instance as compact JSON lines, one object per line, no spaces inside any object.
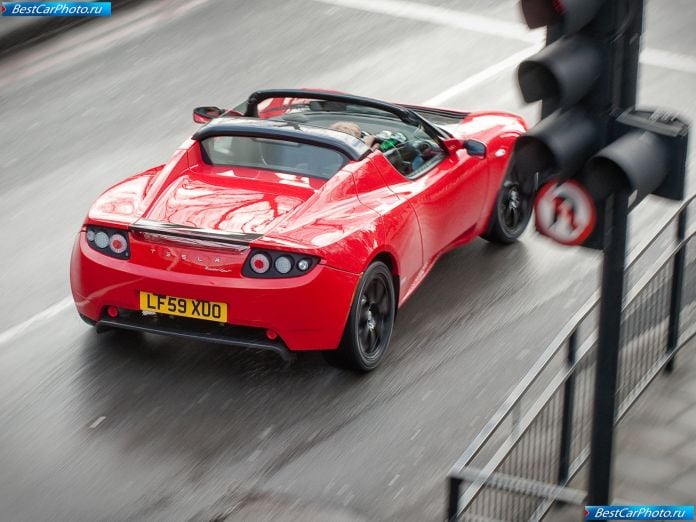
{"x":370,"y":322}
{"x":512,"y":211}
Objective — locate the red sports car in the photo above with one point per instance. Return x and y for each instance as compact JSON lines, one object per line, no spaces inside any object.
{"x":299,"y":220}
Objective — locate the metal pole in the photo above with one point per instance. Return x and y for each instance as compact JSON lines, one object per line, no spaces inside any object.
{"x":455,"y":486}
{"x":676,"y":294}
{"x":567,"y":418}
{"x":631,"y":50}
{"x":615,"y":227}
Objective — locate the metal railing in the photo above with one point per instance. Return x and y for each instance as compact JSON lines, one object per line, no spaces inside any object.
{"x":534,"y":445}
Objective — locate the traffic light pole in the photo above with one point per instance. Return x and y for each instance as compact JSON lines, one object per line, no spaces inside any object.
{"x":587,"y":78}
{"x":615,"y":231}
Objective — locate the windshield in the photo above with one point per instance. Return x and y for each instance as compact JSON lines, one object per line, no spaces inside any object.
{"x":273,"y":154}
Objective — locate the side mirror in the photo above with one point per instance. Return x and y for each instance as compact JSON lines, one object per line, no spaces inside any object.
{"x":475,"y":148}
{"x":205,"y":114}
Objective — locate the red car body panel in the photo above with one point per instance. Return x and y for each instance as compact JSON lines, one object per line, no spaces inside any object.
{"x":367,"y":209}
{"x":300,"y":310}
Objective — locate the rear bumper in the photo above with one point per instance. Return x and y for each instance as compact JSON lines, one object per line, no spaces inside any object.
{"x":197,"y":330}
{"x":307,"y":312}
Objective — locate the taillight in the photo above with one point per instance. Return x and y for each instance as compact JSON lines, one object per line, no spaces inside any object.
{"x":109,"y":241}
{"x":260,"y":263}
{"x":270,"y":264}
{"x":283,"y":264}
{"x":118,"y":243}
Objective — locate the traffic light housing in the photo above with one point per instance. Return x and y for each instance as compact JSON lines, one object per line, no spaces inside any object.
{"x":570,"y":15}
{"x":571,"y":75}
{"x":586,"y":78}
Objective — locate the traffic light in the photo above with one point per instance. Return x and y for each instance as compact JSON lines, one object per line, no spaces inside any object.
{"x":598,"y":157}
{"x":649,"y":152}
{"x":573,"y":76}
{"x":590,"y":131}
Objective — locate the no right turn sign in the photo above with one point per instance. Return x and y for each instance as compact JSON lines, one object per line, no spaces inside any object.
{"x":565,"y":212}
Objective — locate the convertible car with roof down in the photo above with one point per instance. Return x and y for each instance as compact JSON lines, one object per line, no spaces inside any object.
{"x":298,"y":220}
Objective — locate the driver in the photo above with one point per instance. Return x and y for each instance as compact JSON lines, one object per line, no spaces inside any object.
{"x":354,"y":130}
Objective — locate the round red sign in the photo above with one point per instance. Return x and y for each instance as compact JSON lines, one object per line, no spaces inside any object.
{"x":565,"y":212}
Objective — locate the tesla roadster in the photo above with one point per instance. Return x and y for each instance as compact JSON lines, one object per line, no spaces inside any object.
{"x":298,"y":220}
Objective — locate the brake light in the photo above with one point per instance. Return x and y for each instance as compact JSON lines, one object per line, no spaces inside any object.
{"x":260,"y":263}
{"x":109,"y":241}
{"x":268,"y":263}
{"x":118,"y":243}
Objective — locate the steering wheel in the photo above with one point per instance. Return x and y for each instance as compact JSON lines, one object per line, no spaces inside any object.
{"x":402,"y":156}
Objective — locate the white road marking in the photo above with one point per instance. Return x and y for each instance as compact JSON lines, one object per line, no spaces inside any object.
{"x":481,"y":76}
{"x":47,"y":314}
{"x":443,"y":16}
{"x":491,"y":26}
{"x":97,"y":422}
{"x":669,"y":60}
{"x":393,"y":481}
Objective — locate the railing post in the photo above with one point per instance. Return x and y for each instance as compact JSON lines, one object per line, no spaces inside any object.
{"x":676,"y":294}
{"x":455,"y":486}
{"x":567,"y":418}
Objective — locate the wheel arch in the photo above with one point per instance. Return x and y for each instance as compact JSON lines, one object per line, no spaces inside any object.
{"x":389,"y":259}
{"x":498,"y":168}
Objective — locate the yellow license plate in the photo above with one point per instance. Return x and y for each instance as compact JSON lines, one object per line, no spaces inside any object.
{"x":181,"y":306}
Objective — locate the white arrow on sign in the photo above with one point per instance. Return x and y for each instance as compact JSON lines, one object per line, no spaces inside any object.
{"x":565,"y":212}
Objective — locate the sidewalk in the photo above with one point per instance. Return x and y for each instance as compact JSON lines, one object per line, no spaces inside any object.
{"x":656,"y":442}
{"x":655,"y":445}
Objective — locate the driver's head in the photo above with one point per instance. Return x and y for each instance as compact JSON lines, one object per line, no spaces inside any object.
{"x":348,"y":127}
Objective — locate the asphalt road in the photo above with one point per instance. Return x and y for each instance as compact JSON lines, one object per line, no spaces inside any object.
{"x":119,"y":427}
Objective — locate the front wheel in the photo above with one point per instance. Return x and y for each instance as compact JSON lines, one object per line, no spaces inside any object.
{"x":370,"y":322}
{"x":512,"y":212}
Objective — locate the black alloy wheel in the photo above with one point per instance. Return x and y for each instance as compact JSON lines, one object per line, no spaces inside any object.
{"x":512,"y":212}
{"x":512,"y":208}
{"x":370,"y":322}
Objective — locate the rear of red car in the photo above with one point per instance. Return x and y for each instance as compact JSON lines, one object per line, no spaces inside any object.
{"x":199,"y":290}
{"x":185,"y":251}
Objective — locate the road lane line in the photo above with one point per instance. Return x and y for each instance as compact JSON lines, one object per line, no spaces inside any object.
{"x":481,"y":76}
{"x":47,"y":314}
{"x":97,"y":422}
{"x":457,"y":19}
{"x":669,"y":60}
{"x":443,"y":16}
